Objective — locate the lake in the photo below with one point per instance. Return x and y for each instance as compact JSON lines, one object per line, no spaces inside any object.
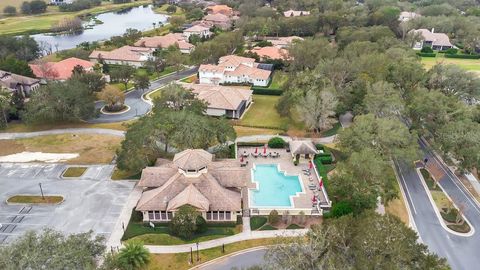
{"x":114,"y":24}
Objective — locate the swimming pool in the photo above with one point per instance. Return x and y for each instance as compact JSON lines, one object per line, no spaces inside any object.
{"x":274,"y":188}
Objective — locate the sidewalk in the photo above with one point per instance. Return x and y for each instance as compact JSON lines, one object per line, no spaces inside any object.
{"x":115,"y":237}
{"x":264,"y":138}
{"x":226,"y":240}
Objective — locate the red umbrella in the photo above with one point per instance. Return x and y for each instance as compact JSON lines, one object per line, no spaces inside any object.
{"x":264,"y":149}
{"x":321,"y":182}
{"x":256,"y":150}
{"x":241,"y":159}
{"x":310,"y":165}
{"x":314,"y":199}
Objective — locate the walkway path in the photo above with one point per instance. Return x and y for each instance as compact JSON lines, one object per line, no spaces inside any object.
{"x":102,"y":131}
{"x":133,"y":99}
{"x":226,"y":240}
{"x":263,"y":138}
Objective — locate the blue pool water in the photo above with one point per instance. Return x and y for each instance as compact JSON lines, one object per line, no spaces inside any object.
{"x":274,"y":188}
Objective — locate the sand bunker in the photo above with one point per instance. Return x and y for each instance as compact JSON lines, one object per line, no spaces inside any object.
{"x":38,"y":156}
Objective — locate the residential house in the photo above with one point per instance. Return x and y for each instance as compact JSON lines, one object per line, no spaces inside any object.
{"x":60,"y":70}
{"x":126,"y":55}
{"x":193,"y":178}
{"x":295,"y":13}
{"x":227,"y":101}
{"x":270,"y":52}
{"x":61,"y":2}
{"x":283,"y":42}
{"x":219,"y":20}
{"x":406,"y":16}
{"x":163,"y":42}
{"x":220,"y":9}
{"x":199,"y":30}
{"x":232,"y":69}
{"x":438,"y":41}
{"x":18,"y":83}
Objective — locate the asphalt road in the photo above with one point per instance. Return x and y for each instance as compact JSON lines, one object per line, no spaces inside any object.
{"x":240,"y":261}
{"x":133,"y":99}
{"x":461,"y":252}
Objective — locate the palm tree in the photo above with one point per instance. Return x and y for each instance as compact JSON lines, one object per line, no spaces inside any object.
{"x":5,"y":98}
{"x":133,"y":256}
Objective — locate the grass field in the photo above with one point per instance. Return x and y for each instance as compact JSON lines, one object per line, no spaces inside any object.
{"x":34,"y":199}
{"x":74,"y":171}
{"x":20,"y":127}
{"x":467,"y":64}
{"x":92,"y":148}
{"x":180,"y":261}
{"x":43,"y":22}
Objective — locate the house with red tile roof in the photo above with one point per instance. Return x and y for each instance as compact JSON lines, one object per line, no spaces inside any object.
{"x":163,"y":42}
{"x":126,"y":55}
{"x":232,"y":69}
{"x":219,"y":20}
{"x":60,"y":70}
{"x":270,"y":52}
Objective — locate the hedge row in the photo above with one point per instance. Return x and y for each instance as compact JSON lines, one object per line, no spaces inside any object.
{"x":266,"y":91}
{"x":427,"y":54}
{"x":463,"y":56}
{"x":251,"y":144}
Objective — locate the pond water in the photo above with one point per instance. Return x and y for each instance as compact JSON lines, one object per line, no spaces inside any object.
{"x":114,"y":24}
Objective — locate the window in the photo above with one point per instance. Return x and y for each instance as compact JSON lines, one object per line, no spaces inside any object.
{"x":169,"y":215}
{"x":228,"y":215}
{"x":157,"y":215}
{"x":215,"y":215}
{"x":164,"y":215}
{"x":150,"y":215}
{"x":221,"y":215}
{"x":209,"y":215}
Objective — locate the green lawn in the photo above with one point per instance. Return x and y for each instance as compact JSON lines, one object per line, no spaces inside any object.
{"x":257,"y":221}
{"x":262,"y":113}
{"x":294,"y":226}
{"x":467,"y":64}
{"x":43,"y":22}
{"x":334,"y":130}
{"x":278,"y":81}
{"x":163,"y":10}
{"x":74,"y":171}
{"x":34,"y":199}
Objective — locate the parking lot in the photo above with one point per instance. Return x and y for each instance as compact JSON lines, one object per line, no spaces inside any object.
{"x":91,"y":202}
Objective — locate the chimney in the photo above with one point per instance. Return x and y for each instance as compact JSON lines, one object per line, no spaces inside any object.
{"x":433,"y":30}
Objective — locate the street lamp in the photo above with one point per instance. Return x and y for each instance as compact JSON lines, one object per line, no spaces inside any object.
{"x":41,"y":190}
{"x":198,"y":258}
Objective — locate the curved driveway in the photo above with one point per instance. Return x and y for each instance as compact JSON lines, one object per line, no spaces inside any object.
{"x":133,"y":99}
{"x":461,"y":252}
{"x":242,"y":260}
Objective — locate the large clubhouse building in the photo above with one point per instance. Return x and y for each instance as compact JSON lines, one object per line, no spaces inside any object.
{"x":192,"y":178}
{"x":232,"y":69}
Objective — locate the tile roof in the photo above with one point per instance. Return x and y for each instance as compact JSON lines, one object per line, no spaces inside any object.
{"x":235,"y":60}
{"x":125,"y":53}
{"x":220,"y":97}
{"x":192,"y":159}
{"x":220,"y":9}
{"x":302,"y":148}
{"x":252,"y":72}
{"x":165,"y":41}
{"x":270,"y":52}
{"x":295,"y":13}
{"x":11,"y":80}
{"x":217,"y":18}
{"x":196,"y":28}
{"x":439,"y":39}
{"x":59,"y":70}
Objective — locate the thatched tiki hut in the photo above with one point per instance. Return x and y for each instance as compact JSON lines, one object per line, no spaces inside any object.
{"x":305,"y":148}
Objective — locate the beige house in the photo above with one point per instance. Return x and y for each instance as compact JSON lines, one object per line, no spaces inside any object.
{"x":228,"y":101}
{"x":219,"y":20}
{"x":437,"y":41}
{"x":193,"y":178}
{"x":163,"y":42}
{"x":18,"y":83}
{"x":199,"y":30}
{"x":126,"y":55}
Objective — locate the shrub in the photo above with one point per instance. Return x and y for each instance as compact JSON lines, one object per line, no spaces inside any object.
{"x":295,"y":162}
{"x":273,"y":217}
{"x":171,"y":9}
{"x":427,"y":54}
{"x":426,"y":50}
{"x":451,"y":51}
{"x":10,"y":10}
{"x":264,"y":43}
{"x":325,"y":158}
{"x":265,"y":91}
{"x":250,"y":144}
{"x":184,"y":223}
{"x":341,"y":209}
{"x":201,"y":224}
{"x":463,"y":56}
{"x":276,"y":142}
{"x":320,"y":146}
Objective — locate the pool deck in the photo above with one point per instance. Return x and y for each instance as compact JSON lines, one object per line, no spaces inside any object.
{"x":303,"y":200}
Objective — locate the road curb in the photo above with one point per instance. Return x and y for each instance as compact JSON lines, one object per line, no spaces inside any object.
{"x":102,"y":110}
{"x":437,"y":212}
{"x":411,"y":220}
{"x":228,"y":256}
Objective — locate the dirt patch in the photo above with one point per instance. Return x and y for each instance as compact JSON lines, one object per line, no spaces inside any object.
{"x":92,"y":148}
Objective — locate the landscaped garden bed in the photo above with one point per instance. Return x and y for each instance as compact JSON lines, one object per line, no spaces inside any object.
{"x":449,"y":212}
{"x":34,"y":199}
{"x":74,"y":171}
